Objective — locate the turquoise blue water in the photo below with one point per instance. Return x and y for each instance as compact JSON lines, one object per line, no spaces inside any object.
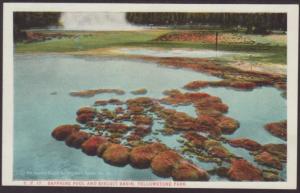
{"x":253,"y":109}
{"x":188,"y":109}
{"x":36,"y":112}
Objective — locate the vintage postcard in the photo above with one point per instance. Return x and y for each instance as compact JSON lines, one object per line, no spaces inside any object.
{"x":150,"y":95}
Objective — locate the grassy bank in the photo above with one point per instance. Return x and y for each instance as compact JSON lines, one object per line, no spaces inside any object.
{"x":79,"y":41}
{"x":270,"y":49}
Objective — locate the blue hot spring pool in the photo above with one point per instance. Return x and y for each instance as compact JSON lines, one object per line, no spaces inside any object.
{"x":36,"y":111}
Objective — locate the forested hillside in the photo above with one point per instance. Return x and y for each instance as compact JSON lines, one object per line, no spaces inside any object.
{"x":253,"y":22}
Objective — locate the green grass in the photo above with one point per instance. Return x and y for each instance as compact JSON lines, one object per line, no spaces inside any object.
{"x":267,"y":49}
{"x":277,"y":57}
{"x":86,"y":42}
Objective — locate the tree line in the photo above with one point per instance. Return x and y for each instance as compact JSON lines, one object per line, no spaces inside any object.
{"x":253,"y":22}
{"x":29,"y":20}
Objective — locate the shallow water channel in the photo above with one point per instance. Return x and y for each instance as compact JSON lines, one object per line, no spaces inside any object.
{"x":36,"y":111}
{"x":189,"y":53}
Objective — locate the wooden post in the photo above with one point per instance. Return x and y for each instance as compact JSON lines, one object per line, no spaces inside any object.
{"x":217,"y":41}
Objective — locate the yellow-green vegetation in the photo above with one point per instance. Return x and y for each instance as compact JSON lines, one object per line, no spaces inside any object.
{"x":256,"y":48}
{"x":79,"y":41}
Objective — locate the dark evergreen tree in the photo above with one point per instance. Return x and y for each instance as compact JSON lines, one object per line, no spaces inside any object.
{"x":28,"y":20}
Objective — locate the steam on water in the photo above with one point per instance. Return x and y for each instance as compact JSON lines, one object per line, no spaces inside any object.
{"x":104,"y":21}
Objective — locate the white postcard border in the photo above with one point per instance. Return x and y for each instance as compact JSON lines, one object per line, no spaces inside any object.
{"x":292,"y":89}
